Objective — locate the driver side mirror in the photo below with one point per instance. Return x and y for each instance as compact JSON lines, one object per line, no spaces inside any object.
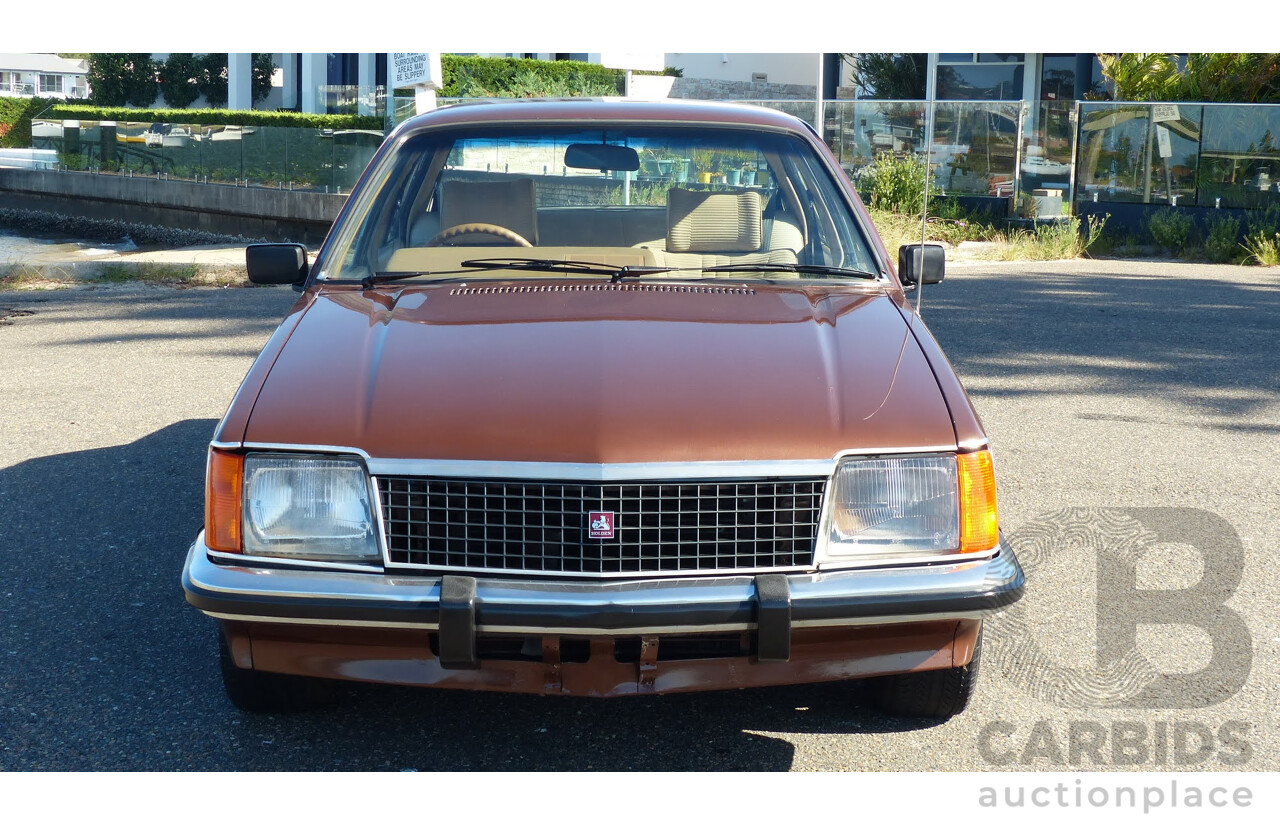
{"x":276,"y":263}
{"x":920,"y":263}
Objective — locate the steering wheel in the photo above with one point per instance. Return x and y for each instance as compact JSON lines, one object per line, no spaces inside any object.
{"x":502,"y":232}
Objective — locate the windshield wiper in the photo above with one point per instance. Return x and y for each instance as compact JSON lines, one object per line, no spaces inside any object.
{"x":803,"y":269}
{"x":580,"y":267}
{"x":615,"y":273}
{"x":387,"y":277}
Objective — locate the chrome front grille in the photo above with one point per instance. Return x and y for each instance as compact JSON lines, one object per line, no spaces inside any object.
{"x":659,"y":528}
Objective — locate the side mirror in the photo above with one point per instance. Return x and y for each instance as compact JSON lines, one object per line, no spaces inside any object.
{"x":921,"y":263}
{"x":276,"y":263}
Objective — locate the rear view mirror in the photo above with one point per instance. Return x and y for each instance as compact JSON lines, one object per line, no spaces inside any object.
{"x":920,"y":263}
{"x":276,"y":263}
{"x":603,"y":157}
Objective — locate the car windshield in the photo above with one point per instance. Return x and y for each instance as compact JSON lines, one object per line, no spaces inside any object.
{"x":688,"y":199}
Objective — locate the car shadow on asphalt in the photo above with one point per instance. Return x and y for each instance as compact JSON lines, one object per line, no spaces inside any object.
{"x":103,"y":665}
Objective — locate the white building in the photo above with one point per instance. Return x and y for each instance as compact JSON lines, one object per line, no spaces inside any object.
{"x":42,"y":75}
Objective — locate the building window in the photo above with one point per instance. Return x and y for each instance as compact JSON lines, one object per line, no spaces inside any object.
{"x":51,"y":83}
{"x":1058,"y":77}
{"x":992,"y":76}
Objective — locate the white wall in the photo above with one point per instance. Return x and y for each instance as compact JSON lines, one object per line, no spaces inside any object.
{"x":785,"y":67}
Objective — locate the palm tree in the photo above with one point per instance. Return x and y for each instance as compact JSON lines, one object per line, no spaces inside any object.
{"x":1140,"y":76}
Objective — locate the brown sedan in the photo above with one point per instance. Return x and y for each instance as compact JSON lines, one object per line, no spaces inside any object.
{"x":601,"y":398}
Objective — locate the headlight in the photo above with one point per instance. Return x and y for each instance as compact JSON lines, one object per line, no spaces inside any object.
{"x":910,"y":507}
{"x":308,"y":508}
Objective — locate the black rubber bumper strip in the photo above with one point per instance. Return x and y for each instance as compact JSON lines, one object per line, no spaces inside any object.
{"x":458,"y":623}
{"x":773,"y":618}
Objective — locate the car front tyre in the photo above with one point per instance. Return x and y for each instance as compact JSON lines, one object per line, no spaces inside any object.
{"x":931,"y":693}
{"x":256,"y":691}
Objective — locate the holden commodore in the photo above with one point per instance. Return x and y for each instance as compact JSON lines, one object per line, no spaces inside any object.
{"x":601,"y":398}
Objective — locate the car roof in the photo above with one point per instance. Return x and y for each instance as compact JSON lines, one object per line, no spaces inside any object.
{"x":609,"y":109}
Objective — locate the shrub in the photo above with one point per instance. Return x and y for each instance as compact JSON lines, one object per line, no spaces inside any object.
{"x":896,"y":184}
{"x":216,"y":117}
{"x":470,"y":76}
{"x":15,"y":120}
{"x":1221,"y":243}
{"x":1171,"y":229}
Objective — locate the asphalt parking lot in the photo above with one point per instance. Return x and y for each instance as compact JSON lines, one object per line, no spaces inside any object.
{"x":1134,"y":410}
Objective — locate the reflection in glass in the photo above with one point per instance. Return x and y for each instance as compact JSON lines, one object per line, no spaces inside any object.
{"x":974,"y":148}
{"x":1240,"y":156}
{"x":1139,"y":154}
{"x":1048,"y":146}
{"x":980,"y":82}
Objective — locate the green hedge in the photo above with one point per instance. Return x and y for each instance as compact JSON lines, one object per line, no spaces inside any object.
{"x":214,"y":117}
{"x":498,"y":74}
{"x":16,"y":114}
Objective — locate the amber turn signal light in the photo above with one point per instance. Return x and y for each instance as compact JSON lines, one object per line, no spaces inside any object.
{"x":222,"y":501}
{"x":979,"y":525}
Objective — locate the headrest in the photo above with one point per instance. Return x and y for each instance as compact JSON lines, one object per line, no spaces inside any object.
{"x":508,"y":203}
{"x":700,"y":221}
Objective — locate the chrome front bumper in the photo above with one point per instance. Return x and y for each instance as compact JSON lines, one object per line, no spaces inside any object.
{"x":463,"y":605}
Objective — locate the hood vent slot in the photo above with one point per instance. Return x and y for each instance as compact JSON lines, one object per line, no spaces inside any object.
{"x":683,"y":289}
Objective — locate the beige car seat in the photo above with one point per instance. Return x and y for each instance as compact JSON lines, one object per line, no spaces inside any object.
{"x":707,"y":229}
{"x":511,"y":204}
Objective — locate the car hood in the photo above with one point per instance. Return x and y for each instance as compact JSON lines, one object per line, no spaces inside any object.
{"x":591,"y":372}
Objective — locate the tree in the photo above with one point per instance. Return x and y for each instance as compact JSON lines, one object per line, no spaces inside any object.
{"x":882,"y":76}
{"x":118,"y":79}
{"x":1232,"y":78}
{"x":213,"y":79}
{"x":263,"y":68}
{"x":1209,"y":77}
{"x":179,"y":76}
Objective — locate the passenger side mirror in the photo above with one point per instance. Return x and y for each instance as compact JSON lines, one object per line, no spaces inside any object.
{"x":921,"y":263}
{"x":276,"y":263}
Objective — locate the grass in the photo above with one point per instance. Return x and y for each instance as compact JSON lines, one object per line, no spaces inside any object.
{"x":1263,"y":249}
{"x":149,"y":273}
{"x":1046,"y":242}
{"x":26,"y":276}
{"x":1051,"y":241}
{"x":30,"y":276}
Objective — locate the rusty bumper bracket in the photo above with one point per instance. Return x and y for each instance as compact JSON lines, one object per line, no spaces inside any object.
{"x":773,"y":618}
{"x":458,"y":623}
